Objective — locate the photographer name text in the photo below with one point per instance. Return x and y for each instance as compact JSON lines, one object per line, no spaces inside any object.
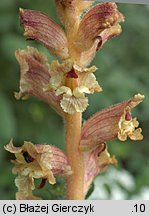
{"x":46,"y":209}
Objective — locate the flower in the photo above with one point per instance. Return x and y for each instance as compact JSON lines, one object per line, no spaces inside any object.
{"x":73,"y":97}
{"x":106,"y":125}
{"x":95,"y":162}
{"x":36,"y":161}
{"x":76,"y":46}
{"x":34,"y":76}
{"x":113,"y":122}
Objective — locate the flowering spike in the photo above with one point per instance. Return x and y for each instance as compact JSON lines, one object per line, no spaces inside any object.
{"x":64,"y":86}
{"x":36,"y":161}
{"x":111,"y":123}
{"x":56,"y":87}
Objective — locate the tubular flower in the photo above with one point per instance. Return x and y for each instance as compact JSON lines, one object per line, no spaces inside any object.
{"x":73,"y":97}
{"x":111,"y":123}
{"x":36,"y":161}
{"x":34,"y":76}
{"x":95,"y":162}
{"x":65,"y":85}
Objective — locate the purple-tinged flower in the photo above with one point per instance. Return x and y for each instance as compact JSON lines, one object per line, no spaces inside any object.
{"x":36,"y":161}
{"x":108,"y":124}
{"x":113,"y":122}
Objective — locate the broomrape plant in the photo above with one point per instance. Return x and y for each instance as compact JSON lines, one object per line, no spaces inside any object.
{"x":64,"y":85}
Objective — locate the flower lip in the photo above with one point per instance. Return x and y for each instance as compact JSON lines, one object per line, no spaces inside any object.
{"x":128,"y":126}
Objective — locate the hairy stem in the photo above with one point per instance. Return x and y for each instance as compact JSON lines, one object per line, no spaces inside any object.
{"x":75,"y":181}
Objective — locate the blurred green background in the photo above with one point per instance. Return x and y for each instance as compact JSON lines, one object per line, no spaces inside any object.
{"x":123,"y":71}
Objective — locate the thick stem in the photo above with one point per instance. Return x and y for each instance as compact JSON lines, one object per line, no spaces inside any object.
{"x":73,"y":133}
